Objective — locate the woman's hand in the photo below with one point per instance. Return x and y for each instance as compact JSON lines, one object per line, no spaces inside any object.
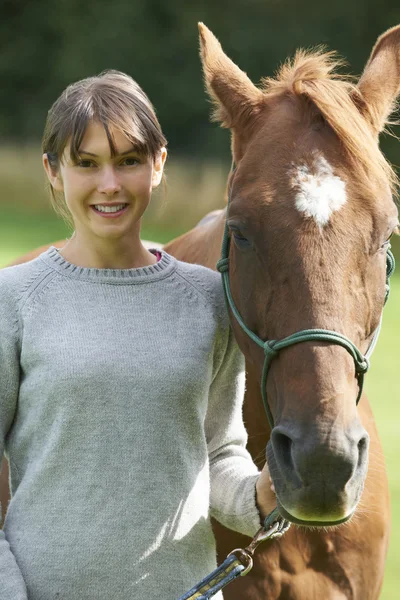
{"x":265,"y":493}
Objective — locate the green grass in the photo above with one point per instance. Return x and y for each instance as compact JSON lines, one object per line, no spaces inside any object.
{"x":381,"y":387}
{"x":26,"y":230}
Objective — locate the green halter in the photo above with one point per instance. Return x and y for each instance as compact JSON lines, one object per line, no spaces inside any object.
{"x":273,"y":347}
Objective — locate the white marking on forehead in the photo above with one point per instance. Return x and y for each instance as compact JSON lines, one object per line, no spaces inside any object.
{"x":319,"y":193}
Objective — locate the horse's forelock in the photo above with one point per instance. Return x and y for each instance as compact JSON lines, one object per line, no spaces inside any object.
{"x":313,"y":75}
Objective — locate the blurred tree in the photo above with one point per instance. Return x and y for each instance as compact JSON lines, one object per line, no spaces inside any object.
{"x":46,"y":45}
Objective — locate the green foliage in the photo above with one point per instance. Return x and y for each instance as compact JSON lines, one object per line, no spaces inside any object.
{"x":47,"y":45}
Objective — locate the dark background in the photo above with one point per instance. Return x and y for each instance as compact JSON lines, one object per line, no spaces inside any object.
{"x":47,"y":44}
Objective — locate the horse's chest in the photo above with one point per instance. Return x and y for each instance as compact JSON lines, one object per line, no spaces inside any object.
{"x":281,"y":585}
{"x":285,"y":571}
{"x":309,"y":566}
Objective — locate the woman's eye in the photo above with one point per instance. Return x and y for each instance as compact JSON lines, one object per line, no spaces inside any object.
{"x":85,"y":164}
{"x":129,"y":162}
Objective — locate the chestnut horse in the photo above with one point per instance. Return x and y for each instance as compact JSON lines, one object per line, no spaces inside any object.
{"x":310,"y":215}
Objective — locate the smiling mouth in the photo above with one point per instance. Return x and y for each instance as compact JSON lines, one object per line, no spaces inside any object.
{"x":109,"y":211}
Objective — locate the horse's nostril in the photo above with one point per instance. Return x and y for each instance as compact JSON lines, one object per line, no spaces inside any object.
{"x":362,"y":450}
{"x":302,"y":463}
{"x":282,"y":445}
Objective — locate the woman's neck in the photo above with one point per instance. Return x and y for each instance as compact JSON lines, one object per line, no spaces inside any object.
{"x":108,"y":254}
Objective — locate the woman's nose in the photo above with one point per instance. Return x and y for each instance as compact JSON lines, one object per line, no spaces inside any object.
{"x":109,"y":182}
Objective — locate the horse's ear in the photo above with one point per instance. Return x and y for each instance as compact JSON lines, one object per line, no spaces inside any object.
{"x":380,"y":83}
{"x":237,"y":100}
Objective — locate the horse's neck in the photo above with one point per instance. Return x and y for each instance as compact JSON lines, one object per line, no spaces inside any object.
{"x":201,"y":245}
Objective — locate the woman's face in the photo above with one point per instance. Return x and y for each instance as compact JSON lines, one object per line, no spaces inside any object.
{"x":106,"y":195}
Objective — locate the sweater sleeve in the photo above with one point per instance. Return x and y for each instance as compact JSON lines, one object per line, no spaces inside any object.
{"x":233,"y":475}
{"x":12,"y":585}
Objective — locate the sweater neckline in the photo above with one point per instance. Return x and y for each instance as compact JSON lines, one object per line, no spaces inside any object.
{"x":161,"y":269}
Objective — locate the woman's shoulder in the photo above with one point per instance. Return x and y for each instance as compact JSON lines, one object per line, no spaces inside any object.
{"x":17,"y":279}
{"x":205,"y":281}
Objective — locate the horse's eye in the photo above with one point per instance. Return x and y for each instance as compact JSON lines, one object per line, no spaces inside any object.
{"x":386,"y":245}
{"x":241,"y":242}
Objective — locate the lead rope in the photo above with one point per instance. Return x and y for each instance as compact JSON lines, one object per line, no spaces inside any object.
{"x":238,"y":562}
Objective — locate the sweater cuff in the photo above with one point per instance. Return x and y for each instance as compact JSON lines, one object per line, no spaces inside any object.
{"x":247,"y":519}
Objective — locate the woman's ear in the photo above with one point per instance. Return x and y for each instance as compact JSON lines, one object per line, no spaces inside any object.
{"x":53,"y":176}
{"x":158,"y":167}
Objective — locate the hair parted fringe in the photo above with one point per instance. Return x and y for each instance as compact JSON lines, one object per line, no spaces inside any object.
{"x":313,"y":74}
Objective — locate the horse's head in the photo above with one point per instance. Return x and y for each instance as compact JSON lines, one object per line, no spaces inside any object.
{"x":310,"y":216}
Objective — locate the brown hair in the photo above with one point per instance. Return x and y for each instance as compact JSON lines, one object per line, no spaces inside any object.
{"x":113,"y":99}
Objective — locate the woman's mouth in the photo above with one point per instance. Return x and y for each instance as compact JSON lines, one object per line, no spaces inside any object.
{"x":109,"y":211}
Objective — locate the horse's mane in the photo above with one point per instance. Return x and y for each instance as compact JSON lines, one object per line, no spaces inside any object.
{"x":313,"y":75}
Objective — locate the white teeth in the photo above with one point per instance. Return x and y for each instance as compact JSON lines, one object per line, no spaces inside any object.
{"x":109,"y":209}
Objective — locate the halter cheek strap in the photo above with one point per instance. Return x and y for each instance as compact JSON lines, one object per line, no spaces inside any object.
{"x":273,"y":347}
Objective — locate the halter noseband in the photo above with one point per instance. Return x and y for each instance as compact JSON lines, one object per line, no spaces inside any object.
{"x":273,"y":347}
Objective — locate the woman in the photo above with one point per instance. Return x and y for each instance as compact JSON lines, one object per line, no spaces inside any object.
{"x":121,"y":384}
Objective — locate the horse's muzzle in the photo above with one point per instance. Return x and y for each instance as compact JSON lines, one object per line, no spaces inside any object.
{"x":318,"y":478}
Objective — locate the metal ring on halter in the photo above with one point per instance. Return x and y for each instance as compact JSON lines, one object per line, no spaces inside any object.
{"x":243,"y":553}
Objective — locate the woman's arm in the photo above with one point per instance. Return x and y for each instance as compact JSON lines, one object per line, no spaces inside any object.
{"x":12,"y":585}
{"x":233,"y":475}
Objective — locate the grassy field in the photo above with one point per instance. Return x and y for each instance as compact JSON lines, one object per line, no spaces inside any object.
{"x":26,"y":223}
{"x":382,"y":390}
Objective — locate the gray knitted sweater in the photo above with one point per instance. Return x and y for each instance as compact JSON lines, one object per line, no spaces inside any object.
{"x":120,"y":413}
